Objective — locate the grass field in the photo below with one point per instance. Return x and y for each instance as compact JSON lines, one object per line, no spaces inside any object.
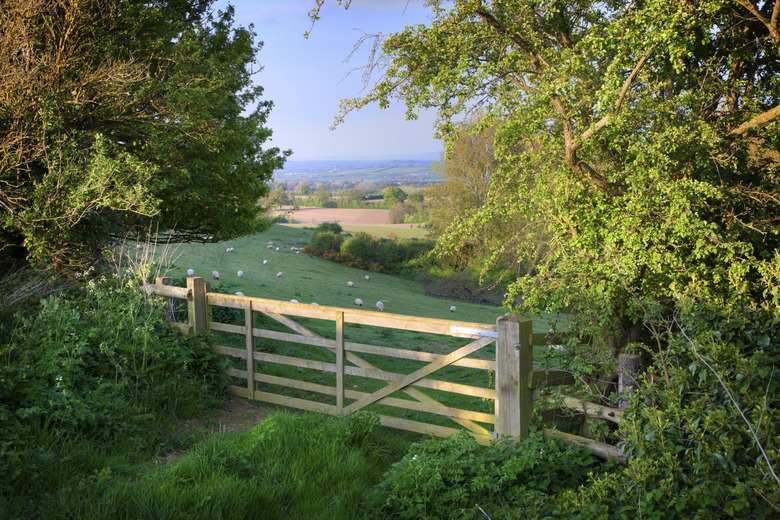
{"x":309,"y":279}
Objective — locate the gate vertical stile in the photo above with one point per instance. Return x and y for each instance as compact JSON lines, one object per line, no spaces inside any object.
{"x":339,"y":363}
{"x":514,"y":363}
{"x":249,"y":323}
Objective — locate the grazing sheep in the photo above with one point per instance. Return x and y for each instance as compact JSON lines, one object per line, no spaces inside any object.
{"x":358,"y":302}
{"x":277,"y":249}
{"x":351,"y":284}
{"x":314,"y":303}
{"x":380,"y":306}
{"x":190,"y":272}
{"x":279,"y":274}
{"x":240,"y":274}
{"x":239,"y":293}
{"x":215,"y":275}
{"x":298,"y":252}
{"x":265,"y":262}
{"x":229,"y":250}
{"x":270,"y":247}
{"x":452,"y":309}
{"x":294,"y":301}
{"x":139,"y":247}
{"x":368,"y":278}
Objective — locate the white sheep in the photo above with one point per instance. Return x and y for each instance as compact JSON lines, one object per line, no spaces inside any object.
{"x":298,"y":252}
{"x":229,"y":250}
{"x":265,"y":262}
{"x":351,"y":284}
{"x":380,"y":306}
{"x":240,"y":274}
{"x":139,"y":247}
{"x":358,"y":302}
{"x":368,"y":278}
{"x":277,"y":249}
{"x":239,"y":293}
{"x":314,"y":303}
{"x":190,"y":272}
{"x":294,"y":301}
{"x":270,"y":247}
{"x":215,"y":275}
{"x":452,"y":309}
{"x":279,"y":274}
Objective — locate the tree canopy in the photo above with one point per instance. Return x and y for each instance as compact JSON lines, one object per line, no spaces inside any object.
{"x":655,"y":166}
{"x":117,"y":114}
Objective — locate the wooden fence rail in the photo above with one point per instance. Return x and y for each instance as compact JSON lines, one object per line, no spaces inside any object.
{"x":516,"y":379}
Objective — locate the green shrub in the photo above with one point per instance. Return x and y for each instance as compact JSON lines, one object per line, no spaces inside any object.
{"x":692,"y":454}
{"x":333,"y":227}
{"x":98,"y":366}
{"x":322,"y":241}
{"x":361,"y":246}
{"x":457,"y":478}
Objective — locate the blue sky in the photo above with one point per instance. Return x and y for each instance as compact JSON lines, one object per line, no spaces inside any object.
{"x":305,"y":78}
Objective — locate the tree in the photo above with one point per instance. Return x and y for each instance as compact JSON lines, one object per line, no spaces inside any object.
{"x":355,"y":194}
{"x":416,"y":198}
{"x":322,"y":195}
{"x":303,"y":188}
{"x":114,"y":115}
{"x":394,"y":195}
{"x":657,"y":165}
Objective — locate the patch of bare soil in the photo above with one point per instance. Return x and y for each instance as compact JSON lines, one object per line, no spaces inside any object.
{"x":345,"y":217}
{"x":234,"y":415}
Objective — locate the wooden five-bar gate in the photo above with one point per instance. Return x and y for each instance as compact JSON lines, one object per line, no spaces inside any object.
{"x":515,"y":376}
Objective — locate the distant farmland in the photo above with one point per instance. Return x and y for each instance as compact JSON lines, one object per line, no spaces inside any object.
{"x":373,"y":221}
{"x":403,"y":172}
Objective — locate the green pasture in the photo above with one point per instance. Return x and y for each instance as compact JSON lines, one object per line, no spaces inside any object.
{"x":313,"y":280}
{"x":309,"y":279}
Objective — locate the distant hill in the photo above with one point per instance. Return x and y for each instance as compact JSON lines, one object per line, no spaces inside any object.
{"x":400,"y":171}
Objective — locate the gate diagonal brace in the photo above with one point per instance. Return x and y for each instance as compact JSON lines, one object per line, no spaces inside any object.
{"x":419,"y":374}
{"x":412,"y":392}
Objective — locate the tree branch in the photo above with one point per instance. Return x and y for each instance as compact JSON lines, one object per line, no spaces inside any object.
{"x":771,"y":25}
{"x":604,"y":121}
{"x":756,"y":121}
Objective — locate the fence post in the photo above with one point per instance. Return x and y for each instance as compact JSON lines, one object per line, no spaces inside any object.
{"x":514,"y":364}
{"x":196,"y":308}
{"x":166,"y":280}
{"x":339,"y":363}
{"x":249,"y":323}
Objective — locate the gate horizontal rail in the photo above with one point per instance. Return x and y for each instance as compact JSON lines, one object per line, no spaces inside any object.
{"x":515,"y":377}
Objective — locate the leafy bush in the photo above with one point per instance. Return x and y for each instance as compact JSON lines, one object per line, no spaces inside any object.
{"x":458,"y":478}
{"x":100,"y":365}
{"x":333,"y":227}
{"x":693,"y":456}
{"x":361,"y":246}
{"x":322,"y":241}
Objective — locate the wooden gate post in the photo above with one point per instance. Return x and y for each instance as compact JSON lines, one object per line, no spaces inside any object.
{"x":514,"y":365}
{"x":197,"y":308}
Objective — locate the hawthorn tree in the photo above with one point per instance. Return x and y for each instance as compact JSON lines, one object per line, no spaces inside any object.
{"x":118,"y":114}
{"x":655,"y":163}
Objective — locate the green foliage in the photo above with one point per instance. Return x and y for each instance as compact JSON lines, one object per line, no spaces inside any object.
{"x":652,"y":174}
{"x":691,"y":452}
{"x":394,"y":195}
{"x":129,"y":115}
{"x":456,"y":477}
{"x":361,"y":246}
{"x":100,"y":366}
{"x":322,"y":241}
